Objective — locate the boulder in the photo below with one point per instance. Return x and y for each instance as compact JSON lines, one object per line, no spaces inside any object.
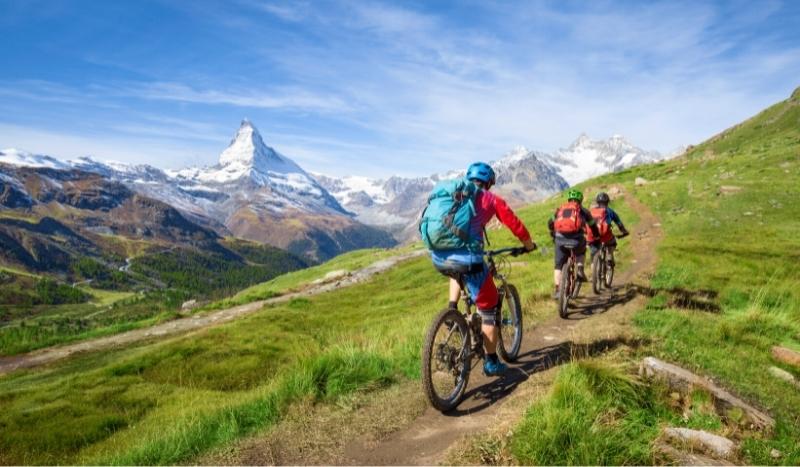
{"x":717,"y":446}
{"x":684,"y":381}
{"x":686,"y":458}
{"x":639,"y":181}
{"x":729,"y":189}
{"x":782,"y":374}
{"x":189,"y":305}
{"x":787,"y":356}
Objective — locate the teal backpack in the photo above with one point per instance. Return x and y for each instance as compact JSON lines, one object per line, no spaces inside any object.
{"x":446,"y":221}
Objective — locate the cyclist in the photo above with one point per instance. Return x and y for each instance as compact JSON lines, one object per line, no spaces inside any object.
{"x":605,"y":216}
{"x":567,"y":231}
{"x":478,"y":278}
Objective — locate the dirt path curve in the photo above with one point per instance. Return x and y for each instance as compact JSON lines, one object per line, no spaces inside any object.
{"x":427,"y":439}
{"x":192,"y":323}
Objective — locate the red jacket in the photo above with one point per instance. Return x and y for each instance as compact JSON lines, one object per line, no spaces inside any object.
{"x":488,"y":205}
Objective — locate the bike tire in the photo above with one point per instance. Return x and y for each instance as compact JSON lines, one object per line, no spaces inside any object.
{"x":597,"y":274}
{"x":564,"y":291}
{"x":576,"y":283}
{"x":608,"y":275}
{"x":431,"y":355}
{"x":511,"y":311}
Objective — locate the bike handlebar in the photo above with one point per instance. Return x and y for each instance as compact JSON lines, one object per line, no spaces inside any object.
{"x":513,"y":251}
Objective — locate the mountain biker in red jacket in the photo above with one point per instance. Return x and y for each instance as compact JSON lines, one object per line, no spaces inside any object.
{"x":567,"y":230}
{"x":607,"y":237}
{"x":480,"y":283}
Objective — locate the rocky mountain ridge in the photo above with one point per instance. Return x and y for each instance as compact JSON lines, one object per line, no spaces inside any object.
{"x":523,"y":176}
{"x":256,"y":193}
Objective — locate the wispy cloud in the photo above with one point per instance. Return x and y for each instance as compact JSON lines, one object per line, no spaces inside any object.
{"x":380,"y":88}
{"x":283,"y":98}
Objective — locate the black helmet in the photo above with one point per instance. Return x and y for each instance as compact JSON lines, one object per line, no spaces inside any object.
{"x":602,"y":198}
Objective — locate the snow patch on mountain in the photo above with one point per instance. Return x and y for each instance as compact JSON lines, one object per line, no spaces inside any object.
{"x":586,"y":158}
{"x":26,"y":159}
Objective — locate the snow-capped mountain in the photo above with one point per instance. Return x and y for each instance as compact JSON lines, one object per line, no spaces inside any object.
{"x":25,"y":159}
{"x":249,"y":164}
{"x":586,"y":158}
{"x":257,"y":193}
{"x":254,"y":192}
{"x":523,"y":176}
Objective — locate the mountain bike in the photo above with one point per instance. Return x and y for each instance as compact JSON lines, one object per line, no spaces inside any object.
{"x":570,"y":285}
{"x":602,"y":268}
{"x":454,"y":338}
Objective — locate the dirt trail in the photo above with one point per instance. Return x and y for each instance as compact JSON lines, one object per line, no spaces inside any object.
{"x":192,"y":323}
{"x":426,"y":440}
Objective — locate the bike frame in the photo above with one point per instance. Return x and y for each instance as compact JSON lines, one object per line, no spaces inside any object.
{"x":472,"y":317}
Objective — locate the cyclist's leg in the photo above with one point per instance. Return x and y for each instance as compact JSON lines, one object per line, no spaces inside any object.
{"x":455,"y":294}
{"x":484,"y":292}
{"x":487,"y":306}
{"x":610,"y":247}
{"x":594,"y":250}
{"x":561,"y":256}
{"x":580,"y":258}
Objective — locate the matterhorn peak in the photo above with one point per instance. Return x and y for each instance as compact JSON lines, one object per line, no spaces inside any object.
{"x":247,"y":151}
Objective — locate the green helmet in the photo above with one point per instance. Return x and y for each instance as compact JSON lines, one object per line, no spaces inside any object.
{"x":575,"y":194}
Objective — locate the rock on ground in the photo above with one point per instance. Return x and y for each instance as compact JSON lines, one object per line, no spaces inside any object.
{"x":718,"y":446}
{"x":729,"y":189}
{"x":686,"y":458}
{"x":782,"y":374}
{"x":685,"y":381}
{"x":787,"y":356}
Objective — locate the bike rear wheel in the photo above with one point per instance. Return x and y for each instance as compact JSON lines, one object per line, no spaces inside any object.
{"x":446,"y":360}
{"x":565,"y":288}
{"x":510,"y":325}
{"x":576,"y":283}
{"x":597,"y":273}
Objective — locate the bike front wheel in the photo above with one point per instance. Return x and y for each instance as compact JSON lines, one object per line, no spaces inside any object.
{"x":510,"y":325}
{"x":446,"y":360}
{"x":608,"y":274}
{"x":597,"y":273}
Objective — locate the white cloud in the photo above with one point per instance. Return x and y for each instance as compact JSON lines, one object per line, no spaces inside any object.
{"x":283,"y":98}
{"x":140,"y":150}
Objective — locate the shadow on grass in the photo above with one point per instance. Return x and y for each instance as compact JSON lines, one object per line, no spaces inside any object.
{"x":530,"y":363}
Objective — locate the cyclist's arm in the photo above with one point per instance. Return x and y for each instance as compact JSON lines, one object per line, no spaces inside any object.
{"x":510,"y":220}
{"x":587,"y":217}
{"x":616,"y":219}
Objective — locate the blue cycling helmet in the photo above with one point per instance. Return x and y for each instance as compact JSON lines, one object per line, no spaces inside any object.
{"x":481,"y":171}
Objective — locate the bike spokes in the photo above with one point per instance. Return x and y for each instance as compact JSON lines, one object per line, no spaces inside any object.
{"x":511,"y":325}
{"x":446,"y":360}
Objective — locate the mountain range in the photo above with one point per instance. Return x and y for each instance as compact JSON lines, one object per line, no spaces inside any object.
{"x":523,"y":176}
{"x":258,"y":194}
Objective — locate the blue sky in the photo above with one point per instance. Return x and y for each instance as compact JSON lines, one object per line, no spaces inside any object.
{"x":375,"y":88}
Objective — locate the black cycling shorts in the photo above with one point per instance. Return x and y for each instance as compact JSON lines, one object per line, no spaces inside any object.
{"x":563,"y":248}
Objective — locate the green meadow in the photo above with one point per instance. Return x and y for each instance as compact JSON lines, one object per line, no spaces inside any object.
{"x":725,"y":290}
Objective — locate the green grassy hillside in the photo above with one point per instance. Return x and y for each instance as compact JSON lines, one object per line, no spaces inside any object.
{"x":726,"y":289}
{"x":38,"y":311}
